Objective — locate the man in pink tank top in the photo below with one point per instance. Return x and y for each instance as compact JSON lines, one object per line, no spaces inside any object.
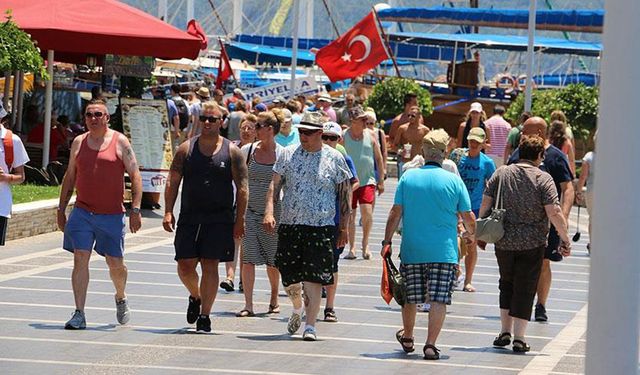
{"x":96,"y":169}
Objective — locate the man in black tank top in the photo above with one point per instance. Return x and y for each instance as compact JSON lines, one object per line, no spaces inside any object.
{"x":209,"y":165}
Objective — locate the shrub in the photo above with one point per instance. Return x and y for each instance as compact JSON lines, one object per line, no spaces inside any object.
{"x":387,"y":97}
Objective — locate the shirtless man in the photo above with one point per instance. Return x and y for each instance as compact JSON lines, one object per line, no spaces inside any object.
{"x":410,"y":100}
{"x":412,"y":133}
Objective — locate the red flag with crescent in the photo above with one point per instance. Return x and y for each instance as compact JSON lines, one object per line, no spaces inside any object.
{"x":224,"y":68}
{"x":354,"y":52}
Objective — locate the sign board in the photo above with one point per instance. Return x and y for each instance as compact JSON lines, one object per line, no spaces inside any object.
{"x":146,"y":124}
{"x":267,"y":94}
{"x":131,"y":66}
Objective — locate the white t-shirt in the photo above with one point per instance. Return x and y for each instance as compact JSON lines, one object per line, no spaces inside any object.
{"x":20,"y":158}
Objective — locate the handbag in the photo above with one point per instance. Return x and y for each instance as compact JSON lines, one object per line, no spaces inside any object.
{"x":491,"y":229}
{"x":395,"y":280}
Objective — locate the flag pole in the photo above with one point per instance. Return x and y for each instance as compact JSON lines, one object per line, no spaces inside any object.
{"x":386,"y":43}
{"x":225,"y":53}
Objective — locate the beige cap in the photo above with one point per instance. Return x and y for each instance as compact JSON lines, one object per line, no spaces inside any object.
{"x":437,"y":139}
{"x":203,"y":92}
{"x":477,"y":134}
{"x":476,"y":107}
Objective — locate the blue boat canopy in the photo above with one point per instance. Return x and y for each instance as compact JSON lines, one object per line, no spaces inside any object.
{"x":500,"y":42}
{"x":579,"y":20}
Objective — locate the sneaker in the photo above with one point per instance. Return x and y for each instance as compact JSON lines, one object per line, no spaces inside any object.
{"x":227,"y":285}
{"x":77,"y":321}
{"x":309,"y":334}
{"x":122,"y":311}
{"x":193,"y":310}
{"x":541,"y":313}
{"x":203,"y":325}
{"x":294,"y":323}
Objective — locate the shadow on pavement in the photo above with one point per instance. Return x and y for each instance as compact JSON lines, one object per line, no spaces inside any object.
{"x":55,"y":327}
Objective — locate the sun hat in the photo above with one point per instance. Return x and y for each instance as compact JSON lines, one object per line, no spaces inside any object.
{"x":311,"y":121}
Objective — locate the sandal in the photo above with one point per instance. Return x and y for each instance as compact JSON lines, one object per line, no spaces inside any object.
{"x":520,"y":346}
{"x":468,"y":288}
{"x":227,"y":285}
{"x":245,"y":313}
{"x":349,"y":256}
{"x":274,"y":309}
{"x":330,"y":315}
{"x":502,"y":340}
{"x":366,"y":256}
{"x":405,"y":340}
{"x":431,"y":357}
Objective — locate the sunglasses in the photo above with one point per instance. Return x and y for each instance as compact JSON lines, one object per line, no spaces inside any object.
{"x":94,"y":114}
{"x":331,"y":138}
{"x":210,"y":118}
{"x":308,"y":132}
{"x":370,"y":123}
{"x":263,"y":125}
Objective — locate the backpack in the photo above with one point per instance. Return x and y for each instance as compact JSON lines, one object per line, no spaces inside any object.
{"x":183,"y":112}
{"x":7,"y":142}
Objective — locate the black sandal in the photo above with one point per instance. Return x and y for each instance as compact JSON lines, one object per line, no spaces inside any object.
{"x":431,"y":357}
{"x":520,"y":346}
{"x":405,"y":340}
{"x":502,"y":340}
{"x":330,"y":315}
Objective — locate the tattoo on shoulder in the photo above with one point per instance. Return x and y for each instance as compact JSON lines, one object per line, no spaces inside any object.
{"x":177,"y":164}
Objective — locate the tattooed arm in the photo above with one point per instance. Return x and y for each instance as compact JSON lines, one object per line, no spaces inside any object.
{"x":344,"y":199}
{"x":131,"y":166}
{"x":68,"y":183}
{"x":173,"y":183}
{"x":241,"y":179}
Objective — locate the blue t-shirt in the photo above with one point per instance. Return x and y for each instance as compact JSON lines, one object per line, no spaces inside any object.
{"x":292,"y":139}
{"x":555,"y":163}
{"x":475,"y":172}
{"x":172,"y":109}
{"x":352,"y":168}
{"x":431,"y":199}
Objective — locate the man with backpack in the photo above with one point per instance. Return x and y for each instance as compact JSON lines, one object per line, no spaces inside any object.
{"x":11,"y":170}
{"x":184,"y":109}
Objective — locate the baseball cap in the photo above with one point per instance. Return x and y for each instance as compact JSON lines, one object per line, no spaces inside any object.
{"x":477,"y":134}
{"x":436,"y":140}
{"x":325,"y":98}
{"x":332,"y":128}
{"x":279,"y":99}
{"x":476,"y":107}
{"x":3,"y":113}
{"x":371,"y":114}
{"x":261,"y":107}
{"x":311,"y":121}
{"x":238,"y":91}
{"x":287,"y":114}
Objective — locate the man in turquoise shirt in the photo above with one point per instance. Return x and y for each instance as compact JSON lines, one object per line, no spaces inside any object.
{"x":429,"y":200}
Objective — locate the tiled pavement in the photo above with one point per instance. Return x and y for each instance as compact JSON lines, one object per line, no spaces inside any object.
{"x":36,"y":300}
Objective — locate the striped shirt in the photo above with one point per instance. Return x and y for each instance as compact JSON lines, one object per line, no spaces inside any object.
{"x":499,"y":129}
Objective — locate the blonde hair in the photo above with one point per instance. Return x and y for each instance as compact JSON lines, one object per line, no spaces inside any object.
{"x":212,"y":106}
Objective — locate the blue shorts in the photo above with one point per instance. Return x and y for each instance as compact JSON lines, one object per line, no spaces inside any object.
{"x":102,"y":233}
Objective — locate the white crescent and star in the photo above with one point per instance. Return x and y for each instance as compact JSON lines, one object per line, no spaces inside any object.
{"x":367,"y":48}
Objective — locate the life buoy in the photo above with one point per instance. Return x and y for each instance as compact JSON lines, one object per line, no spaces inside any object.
{"x":506,"y":81}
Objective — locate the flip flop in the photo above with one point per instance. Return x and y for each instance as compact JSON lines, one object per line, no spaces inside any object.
{"x":274,"y":309}
{"x":349,"y":256}
{"x":469,"y":288}
{"x":245,"y":313}
{"x":366,"y":256}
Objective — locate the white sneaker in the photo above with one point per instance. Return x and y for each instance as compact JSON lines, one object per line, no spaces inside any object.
{"x":122,"y":311}
{"x":309,"y":334}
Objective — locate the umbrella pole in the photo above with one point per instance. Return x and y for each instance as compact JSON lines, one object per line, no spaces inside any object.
{"x":48,"y":101}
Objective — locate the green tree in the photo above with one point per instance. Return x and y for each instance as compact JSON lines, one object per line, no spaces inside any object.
{"x":578,"y":102}
{"x":387,"y":96}
{"x":17,"y":50}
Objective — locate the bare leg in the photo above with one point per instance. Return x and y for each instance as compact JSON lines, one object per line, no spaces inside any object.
{"x":189,"y":276}
{"x":274,"y":280}
{"x":294,"y":291}
{"x":519,"y":328}
{"x":470,"y":261}
{"x":436,"y":320}
{"x":331,"y":292}
{"x":80,"y":277}
{"x":208,"y":284}
{"x":352,"y":233}
{"x":118,"y":273}
{"x":544,"y":283}
{"x":248,"y":280}
{"x":408,"y":319}
{"x":314,"y":292}
{"x":506,"y":321}
{"x":231,"y":266}
{"x":366,"y":211}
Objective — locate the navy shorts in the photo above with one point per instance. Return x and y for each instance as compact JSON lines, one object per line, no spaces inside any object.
{"x":429,"y":282}
{"x":207,"y":241}
{"x":103,"y":233}
{"x":305,"y":253}
{"x":337,"y":251}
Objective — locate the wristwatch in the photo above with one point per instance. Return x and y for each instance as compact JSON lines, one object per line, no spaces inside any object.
{"x":135,"y":210}
{"x":385,"y":243}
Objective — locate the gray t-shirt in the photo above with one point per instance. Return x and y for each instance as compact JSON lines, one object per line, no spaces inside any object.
{"x":525,"y":191}
{"x":233,"y":125}
{"x":309,"y":182}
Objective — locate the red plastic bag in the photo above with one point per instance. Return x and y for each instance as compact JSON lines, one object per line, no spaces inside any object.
{"x":385,"y":289}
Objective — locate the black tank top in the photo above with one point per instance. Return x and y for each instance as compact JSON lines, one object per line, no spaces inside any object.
{"x":467,"y":129}
{"x":207,"y":188}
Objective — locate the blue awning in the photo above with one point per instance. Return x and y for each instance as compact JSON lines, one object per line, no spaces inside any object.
{"x":264,"y":54}
{"x":500,"y":42}
{"x":580,"y":20}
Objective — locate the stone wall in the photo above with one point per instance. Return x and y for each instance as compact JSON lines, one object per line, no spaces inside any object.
{"x":30,"y":219}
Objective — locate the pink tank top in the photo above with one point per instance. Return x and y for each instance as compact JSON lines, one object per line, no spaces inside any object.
{"x":100,"y":178}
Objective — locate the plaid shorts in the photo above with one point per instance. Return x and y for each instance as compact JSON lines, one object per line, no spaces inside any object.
{"x":436,"y":279}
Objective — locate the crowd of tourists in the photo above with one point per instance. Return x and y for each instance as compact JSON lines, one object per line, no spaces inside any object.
{"x":279,"y":185}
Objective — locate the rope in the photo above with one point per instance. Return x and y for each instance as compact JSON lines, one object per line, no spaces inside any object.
{"x":215,"y":12}
{"x":333,"y":23}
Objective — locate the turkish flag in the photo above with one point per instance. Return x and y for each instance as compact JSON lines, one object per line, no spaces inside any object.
{"x":354,"y":52}
{"x":224,"y":69}
{"x":194,"y":28}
